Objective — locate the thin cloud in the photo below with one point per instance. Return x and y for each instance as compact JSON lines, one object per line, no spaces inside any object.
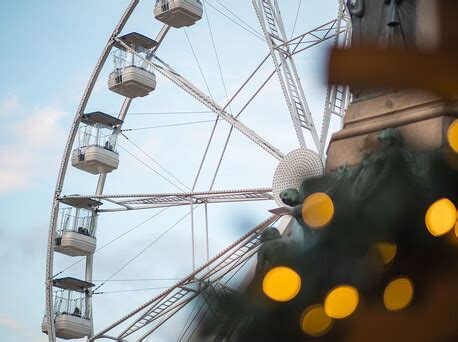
{"x":19,"y":328}
{"x":30,"y":133}
{"x":9,"y":105}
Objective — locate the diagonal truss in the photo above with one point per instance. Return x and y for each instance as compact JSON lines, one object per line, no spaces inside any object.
{"x":288,"y":48}
{"x":311,"y":38}
{"x":179,"y":80}
{"x":161,"y":200}
{"x":168,"y":72}
{"x":272,"y":26}
{"x":162,"y":307}
{"x":337,"y":96}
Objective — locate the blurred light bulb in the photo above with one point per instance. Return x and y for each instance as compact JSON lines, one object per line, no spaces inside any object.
{"x":281,"y":284}
{"x":441,"y":217}
{"x":341,"y":302}
{"x":387,"y":251}
{"x":318,"y":210}
{"x":315,"y":322}
{"x":398,"y":294}
{"x":452,"y":136}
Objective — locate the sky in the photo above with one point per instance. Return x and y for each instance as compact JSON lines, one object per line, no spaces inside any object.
{"x":49,"y":51}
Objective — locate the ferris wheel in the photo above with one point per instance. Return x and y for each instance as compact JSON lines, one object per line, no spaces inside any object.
{"x":93,"y":148}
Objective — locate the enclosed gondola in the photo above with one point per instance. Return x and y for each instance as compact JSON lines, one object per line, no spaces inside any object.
{"x":132,"y":75}
{"x":76,"y":227}
{"x":96,"y":150}
{"x":178,"y":13}
{"x":72,"y":317}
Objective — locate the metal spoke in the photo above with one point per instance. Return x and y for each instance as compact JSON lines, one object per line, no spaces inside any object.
{"x":166,"y":304}
{"x":161,"y":200}
{"x":188,"y":87}
{"x":337,"y":96}
{"x":272,"y":26}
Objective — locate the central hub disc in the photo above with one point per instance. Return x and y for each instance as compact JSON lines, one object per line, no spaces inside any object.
{"x":294,"y":168}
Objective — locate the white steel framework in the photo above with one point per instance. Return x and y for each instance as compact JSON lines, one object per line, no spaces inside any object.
{"x":163,"y":306}
{"x":274,"y":31}
{"x":154,"y":201}
{"x":168,"y":72}
{"x":151,"y":315}
{"x":337,"y":96}
{"x":63,"y":168}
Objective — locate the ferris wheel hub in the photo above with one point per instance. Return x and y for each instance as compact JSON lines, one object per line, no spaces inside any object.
{"x":294,"y":168}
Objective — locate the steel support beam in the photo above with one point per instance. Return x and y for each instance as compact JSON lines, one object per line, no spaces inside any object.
{"x":168,"y":72}
{"x":337,"y":96}
{"x":271,"y":22}
{"x":151,"y":201}
{"x":166,"y":304}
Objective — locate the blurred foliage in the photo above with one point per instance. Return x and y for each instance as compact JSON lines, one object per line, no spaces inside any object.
{"x":380,"y":202}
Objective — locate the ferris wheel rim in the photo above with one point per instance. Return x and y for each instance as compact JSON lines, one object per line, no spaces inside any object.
{"x":64,"y":164}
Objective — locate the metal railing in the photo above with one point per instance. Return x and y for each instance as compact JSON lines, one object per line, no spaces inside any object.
{"x":123,"y":59}
{"x":66,"y":304}
{"x":75,"y":220}
{"x":97,"y":135}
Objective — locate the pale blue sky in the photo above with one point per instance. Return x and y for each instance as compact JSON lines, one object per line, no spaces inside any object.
{"x":48,"y":51}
